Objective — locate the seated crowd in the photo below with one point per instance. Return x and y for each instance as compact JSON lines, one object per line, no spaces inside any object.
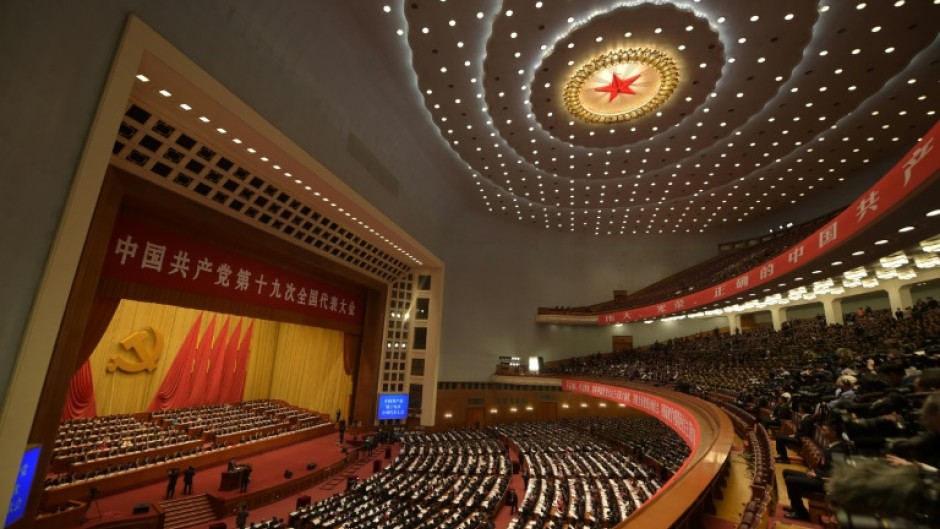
{"x":864,"y":388}
{"x":100,"y":447}
{"x":574,"y":479}
{"x":453,"y":479}
{"x":646,"y":436}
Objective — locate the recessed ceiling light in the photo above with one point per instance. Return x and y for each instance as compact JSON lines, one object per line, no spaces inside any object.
{"x":881,"y":241}
{"x":204,"y":119}
{"x":221,"y":130}
{"x":858,"y":253}
{"x":755,"y":18}
{"x":236,"y":141}
{"x":387,"y":9}
{"x":906,"y":229}
{"x":889,"y":49}
{"x":480,"y":14}
{"x":509,"y":13}
{"x":861,"y":6}
{"x":143,"y":78}
{"x":836,"y":263}
{"x":184,"y":106}
{"x":789,"y":16}
{"x":164,"y":93}
{"x":452,"y":23}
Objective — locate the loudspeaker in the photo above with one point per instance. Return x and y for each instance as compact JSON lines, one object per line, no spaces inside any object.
{"x":141,"y":508}
{"x":288,"y":474}
{"x":311,"y":466}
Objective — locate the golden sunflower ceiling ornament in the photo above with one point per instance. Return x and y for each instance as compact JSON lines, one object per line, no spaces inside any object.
{"x":622,"y":85}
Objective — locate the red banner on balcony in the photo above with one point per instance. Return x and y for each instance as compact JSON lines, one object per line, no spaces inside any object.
{"x":902,"y":180}
{"x":676,"y":417}
{"x":145,"y":252}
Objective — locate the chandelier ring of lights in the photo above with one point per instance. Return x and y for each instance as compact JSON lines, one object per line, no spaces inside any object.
{"x":621,"y":85}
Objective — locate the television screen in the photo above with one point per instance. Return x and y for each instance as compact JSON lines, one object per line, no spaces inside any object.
{"x":393,"y":406}
{"x":24,"y":482}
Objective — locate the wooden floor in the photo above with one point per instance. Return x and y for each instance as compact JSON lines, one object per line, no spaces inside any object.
{"x":737,"y":493}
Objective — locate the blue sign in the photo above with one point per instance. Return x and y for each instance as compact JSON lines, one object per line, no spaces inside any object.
{"x":24,"y":482}
{"x":393,"y":406}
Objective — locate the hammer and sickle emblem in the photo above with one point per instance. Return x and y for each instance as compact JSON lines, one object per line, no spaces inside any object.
{"x":147,"y":351}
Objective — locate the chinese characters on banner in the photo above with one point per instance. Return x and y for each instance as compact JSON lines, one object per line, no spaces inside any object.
{"x":144,"y":252}
{"x":673,"y":415}
{"x":903,"y":179}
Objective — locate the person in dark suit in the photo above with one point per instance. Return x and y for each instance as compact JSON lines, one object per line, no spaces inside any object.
{"x":246,"y":477}
{"x":232,"y":465}
{"x":241,"y":516}
{"x":173,"y":475}
{"x":804,"y":428}
{"x":188,"y":476}
{"x":512,"y":500}
{"x":342,"y":430}
{"x":800,"y":484}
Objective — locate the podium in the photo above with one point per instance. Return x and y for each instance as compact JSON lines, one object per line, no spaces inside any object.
{"x":231,"y":480}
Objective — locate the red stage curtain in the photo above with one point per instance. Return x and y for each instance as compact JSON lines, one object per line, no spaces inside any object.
{"x":200,"y":376}
{"x":226,"y":375}
{"x":174,"y":389}
{"x":81,"y":398}
{"x":237,"y":388}
{"x":217,"y":365}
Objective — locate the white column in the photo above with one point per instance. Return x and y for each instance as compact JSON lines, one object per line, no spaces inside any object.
{"x":898,"y":295}
{"x":734,"y":324}
{"x":777,"y":316}
{"x":833,"y":309}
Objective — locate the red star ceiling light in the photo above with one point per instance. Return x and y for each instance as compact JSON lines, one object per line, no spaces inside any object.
{"x":620,"y":86}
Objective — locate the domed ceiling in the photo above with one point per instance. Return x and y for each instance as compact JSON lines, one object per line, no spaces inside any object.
{"x":656,"y":117}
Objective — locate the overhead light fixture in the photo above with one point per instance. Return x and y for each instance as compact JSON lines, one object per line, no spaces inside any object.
{"x":906,"y":273}
{"x":886,"y":273}
{"x":856,"y":273}
{"x":869,"y":282}
{"x":926,"y":261}
{"x":931,"y":245}
{"x":894,"y":260}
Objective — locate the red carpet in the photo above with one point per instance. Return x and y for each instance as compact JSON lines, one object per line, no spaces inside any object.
{"x":268,"y":470}
{"x":503,"y":516}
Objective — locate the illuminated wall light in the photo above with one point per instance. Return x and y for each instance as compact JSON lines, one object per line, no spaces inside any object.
{"x":564,"y":405}
{"x":448,"y":415}
{"x":493,"y":410}
{"x":584,"y":405}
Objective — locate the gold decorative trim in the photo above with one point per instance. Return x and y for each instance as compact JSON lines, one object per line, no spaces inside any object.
{"x":659,"y":61}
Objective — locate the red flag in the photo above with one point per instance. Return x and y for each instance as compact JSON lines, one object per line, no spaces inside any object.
{"x":174,"y":389}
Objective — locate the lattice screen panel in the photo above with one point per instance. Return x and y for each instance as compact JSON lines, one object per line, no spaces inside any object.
{"x":202,"y":173}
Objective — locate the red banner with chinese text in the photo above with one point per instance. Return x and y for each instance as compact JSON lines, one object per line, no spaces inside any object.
{"x":902,"y":180}
{"x":145,"y":252}
{"x":674,"y":416}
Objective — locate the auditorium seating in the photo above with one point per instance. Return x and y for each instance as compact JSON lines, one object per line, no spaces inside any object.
{"x":102,"y":447}
{"x":644,"y":435}
{"x":575,"y":478}
{"x":451,"y":479}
